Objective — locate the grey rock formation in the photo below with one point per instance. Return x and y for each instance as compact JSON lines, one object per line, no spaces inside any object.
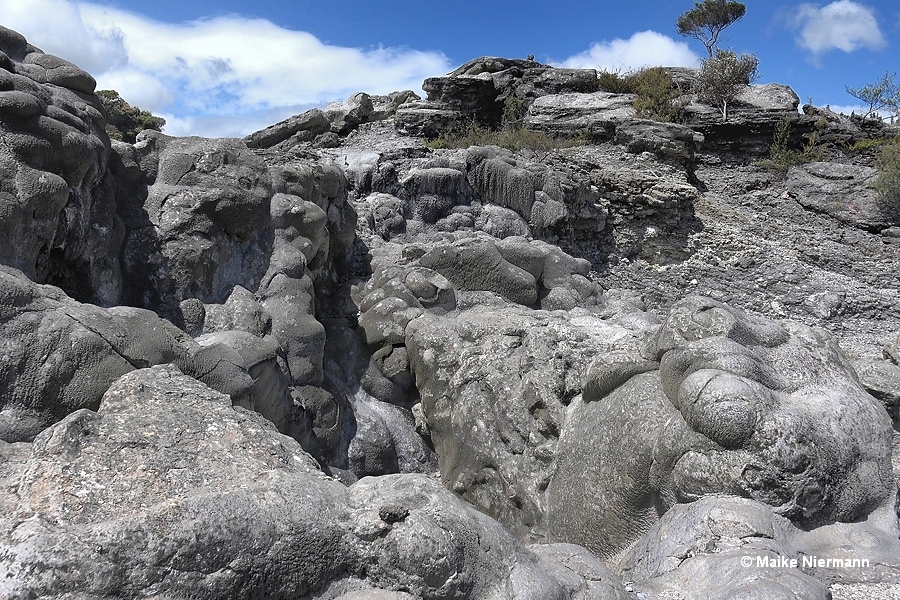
{"x":751,"y":552}
{"x":478,"y":89}
{"x":299,"y":128}
{"x":495,"y":383}
{"x":445,"y":358}
{"x":202,"y":227}
{"x":733,"y":404}
{"x":577,"y":113}
{"x":60,"y":355}
{"x":350,"y":113}
{"x":170,"y":491}
{"x":59,"y":222}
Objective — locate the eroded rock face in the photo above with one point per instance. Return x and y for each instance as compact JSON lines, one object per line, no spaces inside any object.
{"x":201,"y":229}
{"x":452,"y":345}
{"x":233,"y":508}
{"x":60,"y":355}
{"x":495,"y":383}
{"x":58,"y":221}
{"x":733,"y":408}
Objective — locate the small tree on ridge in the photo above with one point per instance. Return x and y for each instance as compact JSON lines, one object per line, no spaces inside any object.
{"x":707,"y":19}
{"x":881,"y":96}
{"x":724,"y":77}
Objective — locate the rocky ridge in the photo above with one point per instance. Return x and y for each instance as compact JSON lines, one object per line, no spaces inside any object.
{"x":328,"y":361}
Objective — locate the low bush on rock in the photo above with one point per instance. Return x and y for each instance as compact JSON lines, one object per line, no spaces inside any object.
{"x":888,"y":182}
{"x":657,"y":98}
{"x":511,"y":134}
{"x":783,"y":156}
{"x":125,"y":121}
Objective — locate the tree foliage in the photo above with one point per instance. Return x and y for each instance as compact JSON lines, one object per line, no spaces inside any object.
{"x":883,"y":96}
{"x":706,"y":21}
{"x":125,"y":121}
{"x":724,"y":77}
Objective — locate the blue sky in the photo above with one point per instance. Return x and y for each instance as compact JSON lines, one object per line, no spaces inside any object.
{"x":228,"y":67}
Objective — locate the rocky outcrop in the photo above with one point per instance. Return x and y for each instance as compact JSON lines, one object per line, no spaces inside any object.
{"x":752,"y":119}
{"x":303,"y":403}
{"x":478,"y":89}
{"x":299,"y":128}
{"x":315,"y":126}
{"x":731,"y":405}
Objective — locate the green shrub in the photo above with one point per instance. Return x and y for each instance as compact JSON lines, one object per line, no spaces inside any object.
{"x":887,"y":184}
{"x":614,"y":83}
{"x":514,"y":111}
{"x":125,"y":121}
{"x":782,"y":156}
{"x":657,"y":98}
{"x":867,"y":144}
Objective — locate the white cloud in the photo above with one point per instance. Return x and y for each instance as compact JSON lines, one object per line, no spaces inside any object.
{"x":643,"y":49}
{"x":144,"y":90}
{"x":213,"y":75}
{"x":58,"y":27}
{"x":843,"y":25}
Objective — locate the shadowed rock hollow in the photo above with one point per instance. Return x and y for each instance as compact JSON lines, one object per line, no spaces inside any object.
{"x":329,"y":361}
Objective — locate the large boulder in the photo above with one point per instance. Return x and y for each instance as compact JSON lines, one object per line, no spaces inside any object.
{"x":169,"y":491}
{"x":299,"y":128}
{"x":574,"y":114}
{"x":347,"y":115}
{"x":59,"y":355}
{"x":743,"y":549}
{"x":495,"y":383}
{"x":474,"y":263}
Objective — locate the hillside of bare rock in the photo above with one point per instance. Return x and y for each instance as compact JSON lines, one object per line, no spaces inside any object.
{"x":335,"y":359}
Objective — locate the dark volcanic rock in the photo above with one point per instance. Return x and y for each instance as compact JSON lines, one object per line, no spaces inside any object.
{"x":201,"y":229}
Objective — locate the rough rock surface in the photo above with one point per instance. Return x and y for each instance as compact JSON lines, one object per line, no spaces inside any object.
{"x":193,"y":498}
{"x":58,"y":222}
{"x":732,"y":406}
{"x":841,"y":191}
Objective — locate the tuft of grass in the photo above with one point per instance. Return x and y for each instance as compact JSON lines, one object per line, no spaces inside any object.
{"x":782,"y":156}
{"x":867,"y":144}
